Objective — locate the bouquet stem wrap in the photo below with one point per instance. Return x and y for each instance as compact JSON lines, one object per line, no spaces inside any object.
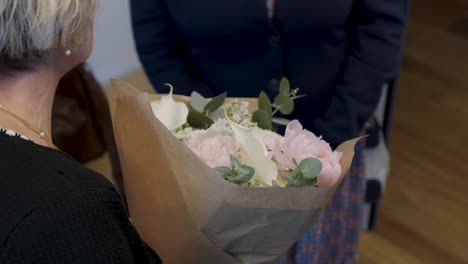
{"x":188,"y":213}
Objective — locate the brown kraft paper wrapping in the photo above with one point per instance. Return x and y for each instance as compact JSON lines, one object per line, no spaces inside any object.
{"x":189,"y":214}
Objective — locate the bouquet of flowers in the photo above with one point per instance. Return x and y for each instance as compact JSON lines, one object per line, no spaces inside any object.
{"x":209,"y":181}
{"x":241,"y":145}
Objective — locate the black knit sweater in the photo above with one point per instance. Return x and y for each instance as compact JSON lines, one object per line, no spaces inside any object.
{"x":52,"y":210}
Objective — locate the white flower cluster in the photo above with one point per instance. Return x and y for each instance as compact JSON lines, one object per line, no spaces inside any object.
{"x":187,"y":133}
{"x":239,"y":112}
{"x":222,"y":125}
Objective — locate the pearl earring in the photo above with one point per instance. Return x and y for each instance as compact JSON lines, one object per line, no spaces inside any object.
{"x":68,"y":52}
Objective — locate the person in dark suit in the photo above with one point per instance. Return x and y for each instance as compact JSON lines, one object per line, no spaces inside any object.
{"x":338,"y":52}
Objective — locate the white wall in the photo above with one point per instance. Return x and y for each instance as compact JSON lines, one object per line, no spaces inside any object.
{"x":114,"y":53}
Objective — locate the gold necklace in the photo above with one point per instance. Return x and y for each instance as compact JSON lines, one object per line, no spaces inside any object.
{"x":39,"y":132}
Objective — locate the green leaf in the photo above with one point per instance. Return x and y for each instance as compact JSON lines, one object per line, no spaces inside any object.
{"x":295,"y":163}
{"x":235,"y":163}
{"x":246,"y":170}
{"x":275,"y":127}
{"x":215,"y":103}
{"x":296,"y":174}
{"x":263,"y":119}
{"x":224,"y":171}
{"x":280,"y":121}
{"x":218,"y":114}
{"x":300,"y":183}
{"x":298,"y":96}
{"x":310,"y":168}
{"x":290,"y":182}
{"x":284,"y":87}
{"x":241,"y":179}
{"x":285,"y":104}
{"x":240,"y":175}
{"x":197,"y":101}
{"x":264,"y":103}
{"x":198,"y":120}
{"x":308,"y":182}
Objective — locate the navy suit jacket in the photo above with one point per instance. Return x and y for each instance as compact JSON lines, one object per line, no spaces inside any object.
{"x":338,"y":52}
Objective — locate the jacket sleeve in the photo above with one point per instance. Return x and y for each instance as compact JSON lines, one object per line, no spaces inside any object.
{"x":88,"y":226}
{"x":376,"y":38}
{"x":161,"y":49}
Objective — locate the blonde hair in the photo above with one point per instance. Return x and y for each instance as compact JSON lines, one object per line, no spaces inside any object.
{"x":29,"y":29}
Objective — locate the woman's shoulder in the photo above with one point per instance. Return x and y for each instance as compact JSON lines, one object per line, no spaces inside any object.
{"x":90,"y":225}
{"x":53,"y":210}
{"x":46,"y":212}
{"x":61,"y":214}
{"x":34,"y":178}
{"x":28,"y":166}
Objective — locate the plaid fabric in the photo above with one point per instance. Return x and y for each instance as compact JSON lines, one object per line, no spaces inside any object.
{"x":335,"y":238}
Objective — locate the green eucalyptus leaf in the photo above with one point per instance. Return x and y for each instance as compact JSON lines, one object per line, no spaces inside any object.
{"x":290,"y":182}
{"x":240,"y":179}
{"x":310,"y":168}
{"x":215,"y":103}
{"x":224,"y":171}
{"x":295,"y":163}
{"x":240,"y":175}
{"x":296,"y":174}
{"x":308,"y":182}
{"x":275,"y":127}
{"x":284,"y":87}
{"x":246,"y":170}
{"x":197,"y":101}
{"x":218,"y":114}
{"x":284,"y":103}
{"x":198,"y":120}
{"x":235,"y":163}
{"x":263,"y":119}
{"x":298,"y":96}
{"x":264,"y":103}
{"x":300,"y":183}
{"x":280,"y":121}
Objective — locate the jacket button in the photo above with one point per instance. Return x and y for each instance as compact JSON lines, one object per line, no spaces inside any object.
{"x":275,"y":41}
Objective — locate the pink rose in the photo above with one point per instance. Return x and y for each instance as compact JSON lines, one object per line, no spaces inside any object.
{"x":331,"y":170}
{"x":272,"y":141}
{"x":213,"y":148}
{"x":299,"y":144}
